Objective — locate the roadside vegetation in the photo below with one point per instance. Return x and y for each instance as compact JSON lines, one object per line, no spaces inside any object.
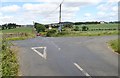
{"x":9,"y":63}
{"x":115,"y":44}
{"x":70,"y":30}
{"x":8,"y":55}
{"x":20,"y":33}
{"x":18,"y":30}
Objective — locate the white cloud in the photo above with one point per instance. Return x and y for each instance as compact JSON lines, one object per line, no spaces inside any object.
{"x":1,"y":14}
{"x":93,"y":1}
{"x":10,"y":8}
{"x":108,"y":10}
{"x":19,"y":19}
{"x":46,"y":11}
{"x":41,"y":12}
{"x":102,"y":7}
{"x":39,"y":8}
{"x":113,"y":1}
{"x":6,"y":19}
{"x":115,"y":8}
{"x":107,"y":6}
{"x":101,"y":13}
{"x":87,"y":14}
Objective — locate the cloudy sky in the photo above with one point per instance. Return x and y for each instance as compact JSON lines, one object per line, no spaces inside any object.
{"x":46,"y":11}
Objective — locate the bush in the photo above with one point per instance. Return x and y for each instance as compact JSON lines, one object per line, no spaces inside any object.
{"x":40,"y":28}
{"x":85,"y":28}
{"x":76,"y":28}
{"x":68,"y":26}
{"x":51,"y":33}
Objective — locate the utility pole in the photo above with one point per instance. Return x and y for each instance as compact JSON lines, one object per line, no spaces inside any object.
{"x":60,"y":25}
{"x":60,"y":13}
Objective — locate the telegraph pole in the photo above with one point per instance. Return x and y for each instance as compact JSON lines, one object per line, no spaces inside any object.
{"x":60,"y":25}
{"x":60,"y":13}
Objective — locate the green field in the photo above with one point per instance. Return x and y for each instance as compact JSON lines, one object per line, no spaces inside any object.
{"x":95,"y":26}
{"x":86,"y":33}
{"x":106,"y":29}
{"x":17,"y":30}
{"x":18,"y":33}
{"x":100,"y":26}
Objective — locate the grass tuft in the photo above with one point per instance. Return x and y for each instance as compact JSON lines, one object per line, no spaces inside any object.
{"x":115,"y":45}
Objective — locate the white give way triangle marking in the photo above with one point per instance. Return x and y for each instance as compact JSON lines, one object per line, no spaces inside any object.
{"x":43,"y":55}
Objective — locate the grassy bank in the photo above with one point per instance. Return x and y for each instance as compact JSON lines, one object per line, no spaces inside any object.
{"x":85,"y":33}
{"x":17,"y":30}
{"x":99,"y":26}
{"x":9,"y":59}
{"x":19,"y":37}
{"x":114,"y":44}
{"x":18,"y":33}
{"x":9,"y":63}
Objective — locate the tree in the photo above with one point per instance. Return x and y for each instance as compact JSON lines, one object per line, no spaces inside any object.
{"x":68,"y":26}
{"x":39,"y":28}
{"x":84,"y":28}
{"x":76,"y":28}
{"x":9,"y":26}
{"x":35,"y":24}
{"x":4,"y":26}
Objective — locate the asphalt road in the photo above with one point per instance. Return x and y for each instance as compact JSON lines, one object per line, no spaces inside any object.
{"x":67,"y":56}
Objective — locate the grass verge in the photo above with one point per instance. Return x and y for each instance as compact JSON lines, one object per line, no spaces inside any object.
{"x":85,"y":33}
{"x":21,"y":33}
{"x":114,"y":44}
{"x":8,"y":55}
{"x":20,"y":38}
{"x":9,"y":61}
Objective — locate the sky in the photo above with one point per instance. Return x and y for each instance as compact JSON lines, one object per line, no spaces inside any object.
{"x":47,"y":11}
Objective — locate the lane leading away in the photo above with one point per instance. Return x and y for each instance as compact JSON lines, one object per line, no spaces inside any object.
{"x":69,"y":56}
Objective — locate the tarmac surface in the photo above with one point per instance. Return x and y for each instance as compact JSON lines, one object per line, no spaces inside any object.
{"x":67,"y":56}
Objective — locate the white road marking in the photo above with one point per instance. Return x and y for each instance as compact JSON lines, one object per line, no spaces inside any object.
{"x":44,"y":55}
{"x":52,"y":43}
{"x":81,"y":69}
{"x":59,"y":48}
{"x":55,"y":45}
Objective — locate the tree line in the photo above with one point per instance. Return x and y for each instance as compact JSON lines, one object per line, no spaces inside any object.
{"x":9,"y":26}
{"x":95,"y":22}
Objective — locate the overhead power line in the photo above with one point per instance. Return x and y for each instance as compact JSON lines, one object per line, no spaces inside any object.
{"x":54,"y":10}
{"x":51,"y":12}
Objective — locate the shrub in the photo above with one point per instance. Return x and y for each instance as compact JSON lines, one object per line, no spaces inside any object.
{"x":76,"y":28}
{"x":51,"y":33}
{"x":68,"y":26}
{"x":40,"y":28}
{"x":85,"y":28}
